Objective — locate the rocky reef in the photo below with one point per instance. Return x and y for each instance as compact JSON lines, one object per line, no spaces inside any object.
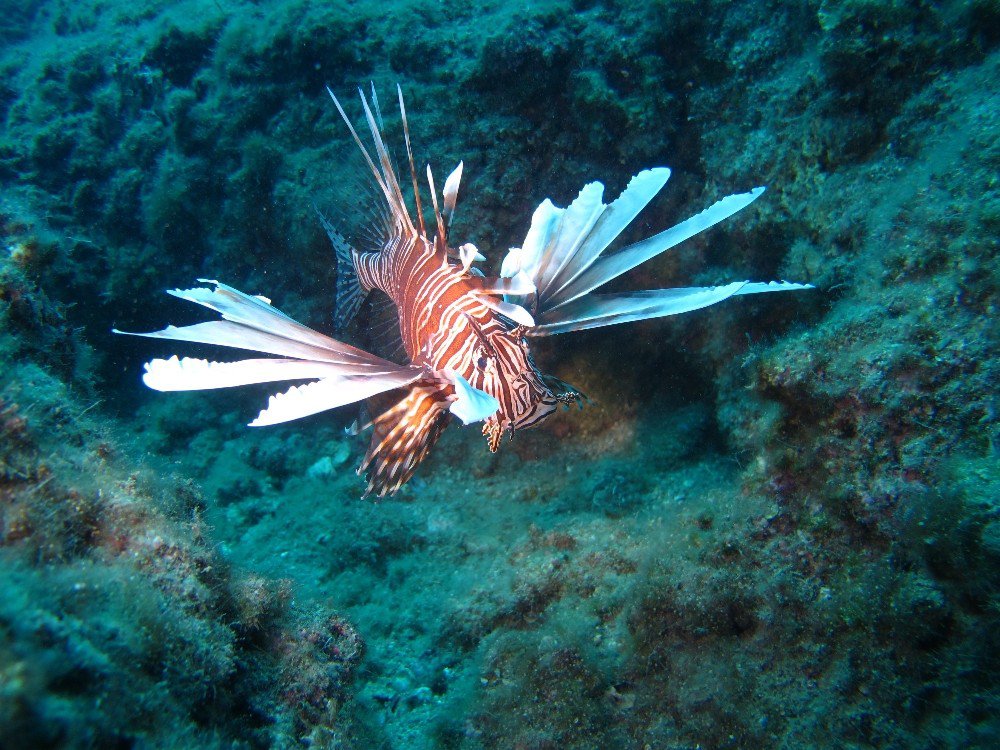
{"x":120,"y":619}
{"x":774,"y":525}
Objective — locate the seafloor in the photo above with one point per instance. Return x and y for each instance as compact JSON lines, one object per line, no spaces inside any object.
{"x":777,"y":523}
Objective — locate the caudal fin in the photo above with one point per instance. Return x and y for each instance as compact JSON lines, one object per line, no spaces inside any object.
{"x":350,"y":295}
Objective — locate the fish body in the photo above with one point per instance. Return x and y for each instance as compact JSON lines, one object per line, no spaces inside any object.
{"x":448,"y":326}
{"x":466,"y":336}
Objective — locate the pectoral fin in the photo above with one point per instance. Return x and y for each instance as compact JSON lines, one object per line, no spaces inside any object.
{"x":596,"y":310}
{"x":471,"y":404}
{"x":565,"y":255}
{"x":341,"y":374}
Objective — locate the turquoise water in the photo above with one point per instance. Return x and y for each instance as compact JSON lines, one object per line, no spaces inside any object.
{"x":774,"y":524}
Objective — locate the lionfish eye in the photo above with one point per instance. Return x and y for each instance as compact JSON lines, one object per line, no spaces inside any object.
{"x":481,"y":362}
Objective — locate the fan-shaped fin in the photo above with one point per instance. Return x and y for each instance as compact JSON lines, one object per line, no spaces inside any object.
{"x":471,"y":404}
{"x":350,"y":295}
{"x":329,"y":393}
{"x":380,"y":334}
{"x":344,"y":373}
{"x":403,"y":434}
{"x":199,"y":374}
{"x":605,"y":269}
{"x":563,"y":255}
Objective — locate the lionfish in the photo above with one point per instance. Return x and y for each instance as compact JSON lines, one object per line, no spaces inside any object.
{"x":465,"y":335}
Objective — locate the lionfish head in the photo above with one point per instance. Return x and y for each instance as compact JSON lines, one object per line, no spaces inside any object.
{"x":526,"y":395}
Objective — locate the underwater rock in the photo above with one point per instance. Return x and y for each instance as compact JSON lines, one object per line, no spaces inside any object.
{"x":776,"y":526}
{"x":115,"y":598}
{"x":330,"y":464}
{"x":923,"y":617}
{"x":990,"y":536}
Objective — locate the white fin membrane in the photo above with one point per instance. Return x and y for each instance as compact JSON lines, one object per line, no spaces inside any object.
{"x":343,"y":374}
{"x":471,"y":404}
{"x":596,"y":310}
{"x":562,"y":254}
{"x":199,"y":374}
{"x":329,"y":393}
{"x":450,"y":192}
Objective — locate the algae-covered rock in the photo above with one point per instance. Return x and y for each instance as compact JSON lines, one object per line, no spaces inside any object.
{"x":923,"y":617}
{"x":775,"y":523}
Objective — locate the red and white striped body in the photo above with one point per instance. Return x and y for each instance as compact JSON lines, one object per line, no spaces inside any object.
{"x":447,"y":328}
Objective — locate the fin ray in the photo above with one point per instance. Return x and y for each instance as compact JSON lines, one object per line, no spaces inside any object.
{"x":239,"y":336}
{"x":321,"y":395}
{"x":251,"y":323}
{"x":596,"y":310}
{"x":610,"y":267}
{"x":394,"y":193}
{"x":402,"y":437}
{"x":409,"y":156}
{"x":376,"y":174}
{"x":189,"y":374}
{"x":242,"y":308}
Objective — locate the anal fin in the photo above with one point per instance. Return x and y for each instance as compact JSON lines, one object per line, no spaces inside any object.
{"x":403,"y":435}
